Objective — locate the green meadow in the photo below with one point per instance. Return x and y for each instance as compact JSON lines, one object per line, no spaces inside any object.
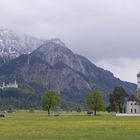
{"x":68,"y":126}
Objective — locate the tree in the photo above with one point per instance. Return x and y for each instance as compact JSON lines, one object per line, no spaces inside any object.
{"x":117,"y":99}
{"x":112,"y":106}
{"x":50,"y":100}
{"x":95,"y":101}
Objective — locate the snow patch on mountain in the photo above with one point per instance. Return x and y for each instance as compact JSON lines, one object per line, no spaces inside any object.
{"x":11,"y":45}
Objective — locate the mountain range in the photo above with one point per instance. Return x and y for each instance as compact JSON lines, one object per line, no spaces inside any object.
{"x":13,"y":45}
{"x":49,"y":64}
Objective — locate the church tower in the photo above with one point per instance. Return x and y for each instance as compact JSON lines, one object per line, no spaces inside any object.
{"x":138,"y":81}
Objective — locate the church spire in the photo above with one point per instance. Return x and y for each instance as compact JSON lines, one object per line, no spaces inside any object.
{"x":138,"y":81}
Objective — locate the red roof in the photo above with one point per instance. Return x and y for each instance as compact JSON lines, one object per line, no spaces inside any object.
{"x":132,"y":98}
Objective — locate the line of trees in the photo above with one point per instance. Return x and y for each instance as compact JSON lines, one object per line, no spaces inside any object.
{"x":95,"y":101}
{"x":25,"y":98}
{"x":50,"y":100}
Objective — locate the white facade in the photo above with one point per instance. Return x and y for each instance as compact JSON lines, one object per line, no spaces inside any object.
{"x":10,"y":85}
{"x":133,"y":107}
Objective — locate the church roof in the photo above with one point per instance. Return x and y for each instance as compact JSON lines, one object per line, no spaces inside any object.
{"x":132,"y":98}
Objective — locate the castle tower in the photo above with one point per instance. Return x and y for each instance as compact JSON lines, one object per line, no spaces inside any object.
{"x":15,"y":84}
{"x":3,"y":85}
{"x":138,"y":81}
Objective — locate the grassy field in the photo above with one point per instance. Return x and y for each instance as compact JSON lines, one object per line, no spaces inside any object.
{"x":38,"y":126}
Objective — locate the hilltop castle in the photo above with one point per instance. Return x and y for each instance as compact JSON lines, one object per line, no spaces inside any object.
{"x":10,"y":85}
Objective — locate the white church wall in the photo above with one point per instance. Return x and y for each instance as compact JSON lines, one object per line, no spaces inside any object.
{"x":133,"y":107}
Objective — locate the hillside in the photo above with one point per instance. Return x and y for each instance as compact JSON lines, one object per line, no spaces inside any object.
{"x":54,"y":66}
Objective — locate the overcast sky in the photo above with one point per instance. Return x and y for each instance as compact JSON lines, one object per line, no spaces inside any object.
{"x":105,"y":31}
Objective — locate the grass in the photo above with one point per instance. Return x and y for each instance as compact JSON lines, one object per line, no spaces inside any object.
{"x":38,"y":126}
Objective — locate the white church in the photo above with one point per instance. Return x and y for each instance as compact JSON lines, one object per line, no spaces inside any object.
{"x":133,"y":107}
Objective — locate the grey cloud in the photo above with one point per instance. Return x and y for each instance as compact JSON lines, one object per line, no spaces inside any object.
{"x":98,"y":29}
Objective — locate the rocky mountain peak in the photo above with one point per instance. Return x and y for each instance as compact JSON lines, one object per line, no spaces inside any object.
{"x":55,"y":52}
{"x":57,"y":41}
{"x":6,"y":32}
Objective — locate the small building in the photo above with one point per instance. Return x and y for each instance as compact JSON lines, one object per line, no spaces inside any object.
{"x":132,"y":105}
{"x":10,"y":85}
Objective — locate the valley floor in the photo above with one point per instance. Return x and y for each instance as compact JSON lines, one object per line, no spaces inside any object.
{"x":38,"y":126}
